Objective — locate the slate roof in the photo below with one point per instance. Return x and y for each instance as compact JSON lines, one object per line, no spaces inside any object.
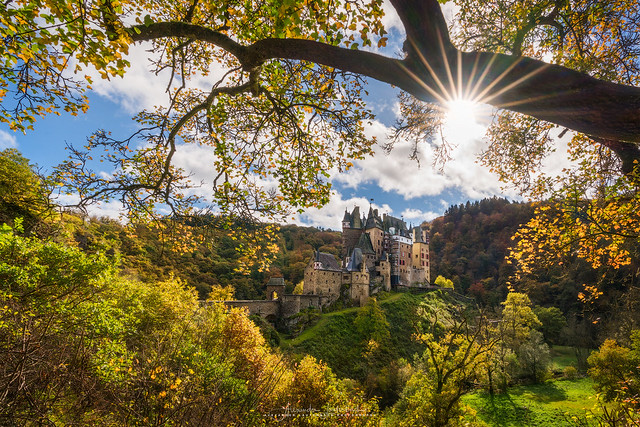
{"x":276,"y":281}
{"x":365,"y":245}
{"x":356,"y":222}
{"x":397,"y":223}
{"x":355,"y":262}
{"x":328,"y":261}
{"x":373,"y":220}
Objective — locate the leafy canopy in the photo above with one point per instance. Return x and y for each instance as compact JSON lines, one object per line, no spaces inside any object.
{"x":274,"y":89}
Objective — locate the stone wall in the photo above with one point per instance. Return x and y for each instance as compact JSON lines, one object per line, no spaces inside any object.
{"x":260,"y":307}
{"x":293,"y":304}
{"x":383,"y":271}
{"x":322,"y":282}
{"x":284,"y":307}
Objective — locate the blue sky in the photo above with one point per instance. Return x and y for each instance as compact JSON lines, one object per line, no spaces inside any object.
{"x":398,"y":185}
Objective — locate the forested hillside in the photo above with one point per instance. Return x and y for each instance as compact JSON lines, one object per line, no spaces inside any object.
{"x":85,"y":341}
{"x":213,"y":262}
{"x":470,"y":242}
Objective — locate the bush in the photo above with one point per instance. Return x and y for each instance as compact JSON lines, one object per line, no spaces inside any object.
{"x":80,"y":345}
{"x":570,"y":373}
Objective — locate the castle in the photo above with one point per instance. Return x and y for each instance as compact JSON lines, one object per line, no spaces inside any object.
{"x":377,"y":253}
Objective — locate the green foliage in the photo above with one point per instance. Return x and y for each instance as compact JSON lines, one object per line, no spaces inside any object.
{"x":271,"y":336}
{"x":564,"y":356}
{"x":534,"y":358}
{"x":443,"y":283}
{"x":381,"y":367}
{"x":42,"y":39}
{"x":296,"y":245}
{"x":299,"y":288}
{"x":22,"y":192}
{"x":469,"y":244}
{"x":211,"y":260}
{"x":44,"y":319}
{"x":372,"y":323}
{"x":614,"y":368}
{"x":552,"y":322}
{"x":590,"y":208}
{"x":336,"y":341}
{"x":79,"y":345}
{"x":454,"y":357}
{"x":518,"y":319}
{"x":570,"y":373}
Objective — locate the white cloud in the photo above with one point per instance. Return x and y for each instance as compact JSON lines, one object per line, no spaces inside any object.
{"x":113,"y":209}
{"x":416,"y":214}
{"x":330,"y":216}
{"x":7,"y":140}
{"x":197,"y":161}
{"x":391,"y":20}
{"x":397,"y":173}
{"x":140,"y":88}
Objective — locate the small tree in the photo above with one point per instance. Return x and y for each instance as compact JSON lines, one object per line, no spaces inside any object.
{"x":298,"y":290}
{"x":443,"y":283}
{"x":534,"y":357}
{"x":452,"y":360}
{"x":552,"y":321}
{"x":371,"y":322}
{"x":614,"y":369}
{"x":22,"y":193}
{"x":518,"y":319}
{"x":616,"y":372}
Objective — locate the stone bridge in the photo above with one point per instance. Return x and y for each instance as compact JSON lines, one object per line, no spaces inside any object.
{"x":284,"y":307}
{"x":263,"y":308}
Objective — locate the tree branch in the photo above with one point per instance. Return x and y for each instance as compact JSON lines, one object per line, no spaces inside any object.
{"x":435,"y":71}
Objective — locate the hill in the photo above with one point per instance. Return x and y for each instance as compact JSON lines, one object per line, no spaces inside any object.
{"x":340,"y":340}
{"x":469,"y":244}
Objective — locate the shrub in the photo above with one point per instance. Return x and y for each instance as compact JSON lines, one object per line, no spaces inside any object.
{"x":570,"y":373}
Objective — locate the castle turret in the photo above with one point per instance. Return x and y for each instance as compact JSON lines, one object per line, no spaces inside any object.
{"x":346,"y":220}
{"x":356,"y":220}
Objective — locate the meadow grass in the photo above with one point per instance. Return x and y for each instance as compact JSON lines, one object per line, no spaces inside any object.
{"x":551,"y":404}
{"x":563,"y":356}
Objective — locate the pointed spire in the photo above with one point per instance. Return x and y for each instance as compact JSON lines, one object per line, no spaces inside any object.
{"x":347,"y":216}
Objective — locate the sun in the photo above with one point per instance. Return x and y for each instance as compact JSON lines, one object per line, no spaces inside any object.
{"x":461,"y":121}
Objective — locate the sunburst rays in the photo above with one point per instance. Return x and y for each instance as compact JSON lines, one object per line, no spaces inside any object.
{"x":459,"y":89}
{"x":483,"y":84}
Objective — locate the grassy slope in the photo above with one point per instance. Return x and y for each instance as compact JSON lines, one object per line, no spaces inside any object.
{"x":335,"y":340}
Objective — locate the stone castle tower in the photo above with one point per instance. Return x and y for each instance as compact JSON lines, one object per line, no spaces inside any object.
{"x":377,"y":254}
{"x":387,"y":238}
